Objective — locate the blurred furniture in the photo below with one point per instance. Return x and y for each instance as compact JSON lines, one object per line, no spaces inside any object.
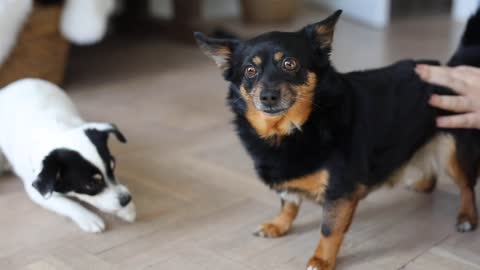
{"x":41,"y":51}
{"x":377,"y":13}
{"x":269,"y":11}
{"x":137,"y":19}
{"x":187,"y":16}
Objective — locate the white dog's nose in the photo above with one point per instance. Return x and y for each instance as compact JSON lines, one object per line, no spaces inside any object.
{"x":124,"y":199}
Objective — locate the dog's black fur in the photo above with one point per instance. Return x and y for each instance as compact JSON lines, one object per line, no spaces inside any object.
{"x":362,"y":127}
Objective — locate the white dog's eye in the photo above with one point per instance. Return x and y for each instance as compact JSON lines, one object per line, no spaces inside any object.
{"x":97,"y":177}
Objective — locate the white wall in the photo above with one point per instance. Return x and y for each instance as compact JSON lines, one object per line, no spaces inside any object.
{"x":371,"y":12}
{"x":462,"y":9}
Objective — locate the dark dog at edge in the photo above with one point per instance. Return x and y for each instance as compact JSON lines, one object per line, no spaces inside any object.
{"x":334,"y":137}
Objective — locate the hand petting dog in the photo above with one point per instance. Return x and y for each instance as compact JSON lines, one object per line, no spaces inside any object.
{"x":464,"y":80}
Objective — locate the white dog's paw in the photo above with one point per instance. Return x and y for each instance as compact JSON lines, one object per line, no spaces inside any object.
{"x":89,"y":222}
{"x":128,"y":213}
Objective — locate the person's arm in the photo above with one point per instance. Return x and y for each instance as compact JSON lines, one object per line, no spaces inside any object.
{"x":465,"y":81}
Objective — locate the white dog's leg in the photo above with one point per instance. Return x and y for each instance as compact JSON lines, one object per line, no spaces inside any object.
{"x":87,"y":220}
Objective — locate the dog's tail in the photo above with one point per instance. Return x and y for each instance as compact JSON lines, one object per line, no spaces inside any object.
{"x":468,"y":52}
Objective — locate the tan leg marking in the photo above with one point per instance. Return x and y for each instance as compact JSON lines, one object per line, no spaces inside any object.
{"x":467,"y":219}
{"x":337,"y":220}
{"x":282,"y":223}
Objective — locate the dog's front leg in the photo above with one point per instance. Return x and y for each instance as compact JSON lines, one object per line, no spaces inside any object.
{"x":282,"y":223}
{"x":337,"y":217}
{"x":85,"y":219}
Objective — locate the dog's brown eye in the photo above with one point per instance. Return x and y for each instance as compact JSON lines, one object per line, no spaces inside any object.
{"x":289,"y":64}
{"x":250,"y":72}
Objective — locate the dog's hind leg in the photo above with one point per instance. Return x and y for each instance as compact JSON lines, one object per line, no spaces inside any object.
{"x":85,"y":219}
{"x":282,"y":223}
{"x":424,"y":185}
{"x":420,"y":173}
{"x":467,"y":219}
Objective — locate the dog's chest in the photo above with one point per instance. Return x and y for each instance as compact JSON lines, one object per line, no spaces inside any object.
{"x":294,"y":165}
{"x":312,"y":186}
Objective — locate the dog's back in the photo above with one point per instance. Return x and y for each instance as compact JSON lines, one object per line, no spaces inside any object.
{"x":30,"y":110}
{"x":468,"y":52}
{"x":32,"y":100}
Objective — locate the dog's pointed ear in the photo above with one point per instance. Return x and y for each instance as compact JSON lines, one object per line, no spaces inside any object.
{"x":321,"y":33}
{"x":106,"y":128}
{"x":113,"y":129}
{"x":49,"y":174}
{"x":219,"y":49}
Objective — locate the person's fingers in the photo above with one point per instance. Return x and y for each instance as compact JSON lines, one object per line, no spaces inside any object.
{"x":469,"y":70}
{"x":469,"y":120}
{"x":441,"y":76}
{"x":451,"y":103}
{"x":470,"y":75}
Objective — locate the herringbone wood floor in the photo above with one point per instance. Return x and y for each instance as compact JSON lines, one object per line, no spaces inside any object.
{"x":196,"y":192}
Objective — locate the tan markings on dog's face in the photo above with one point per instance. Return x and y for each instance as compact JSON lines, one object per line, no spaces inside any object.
{"x":257,"y":60}
{"x":278,"y":56}
{"x":313,"y":185}
{"x":267,"y":125}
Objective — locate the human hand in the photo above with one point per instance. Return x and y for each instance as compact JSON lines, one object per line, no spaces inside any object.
{"x":465,"y":81}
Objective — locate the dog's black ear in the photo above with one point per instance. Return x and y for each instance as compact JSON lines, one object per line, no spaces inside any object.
{"x":321,"y":33}
{"x":105,"y":129}
{"x":49,"y":174}
{"x":115,"y":131}
{"x":219,"y":49}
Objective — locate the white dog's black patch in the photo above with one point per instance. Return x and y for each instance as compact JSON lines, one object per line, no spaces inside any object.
{"x":65,"y":171}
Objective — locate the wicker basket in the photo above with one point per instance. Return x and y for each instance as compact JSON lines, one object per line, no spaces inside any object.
{"x":41,"y":51}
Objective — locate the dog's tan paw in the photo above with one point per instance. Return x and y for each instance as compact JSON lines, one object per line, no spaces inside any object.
{"x":318,"y":264}
{"x":270,"y":230}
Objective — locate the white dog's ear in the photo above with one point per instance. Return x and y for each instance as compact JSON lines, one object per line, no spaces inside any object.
{"x":114,"y":129}
{"x":49,"y":175}
{"x":107,"y":128}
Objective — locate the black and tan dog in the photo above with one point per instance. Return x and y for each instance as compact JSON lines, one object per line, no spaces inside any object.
{"x":333,"y":137}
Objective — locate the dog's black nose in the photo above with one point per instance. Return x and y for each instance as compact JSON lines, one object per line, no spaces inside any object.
{"x":124,"y":199}
{"x":270,"y":97}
